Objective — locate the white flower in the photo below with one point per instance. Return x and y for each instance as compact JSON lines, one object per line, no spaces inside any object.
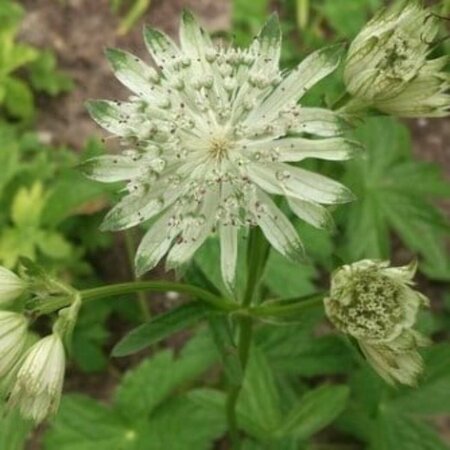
{"x":37,"y":388}
{"x":11,"y":286}
{"x":13,"y":336}
{"x":376,"y":305}
{"x":387,"y":66}
{"x":209,"y":136}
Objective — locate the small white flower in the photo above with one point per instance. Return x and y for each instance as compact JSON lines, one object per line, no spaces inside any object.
{"x":376,"y":305}
{"x":387,"y":66}
{"x":13,"y":336}
{"x":37,"y":388}
{"x":11,"y":286}
{"x":210,"y":135}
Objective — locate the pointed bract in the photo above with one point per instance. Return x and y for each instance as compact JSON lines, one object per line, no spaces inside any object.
{"x":11,"y":286}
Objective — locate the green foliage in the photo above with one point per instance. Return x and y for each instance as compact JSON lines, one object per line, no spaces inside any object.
{"x":151,"y":409}
{"x":16,"y":94}
{"x":388,"y":419}
{"x":161,"y":327}
{"x":37,"y":199}
{"x":13,"y":430}
{"x":395,"y":193}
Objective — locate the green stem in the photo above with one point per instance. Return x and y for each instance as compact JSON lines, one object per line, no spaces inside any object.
{"x":144,"y":306}
{"x":257,"y":253}
{"x":157,"y":286}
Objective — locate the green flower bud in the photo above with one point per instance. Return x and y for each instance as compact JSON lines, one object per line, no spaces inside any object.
{"x":37,"y":387}
{"x":387,"y":66}
{"x":376,"y":305}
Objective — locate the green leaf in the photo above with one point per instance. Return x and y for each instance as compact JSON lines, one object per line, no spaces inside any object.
{"x":146,"y":413}
{"x":346,"y":18}
{"x":314,"y":411}
{"x":53,"y":244}
{"x":18,"y":98}
{"x":397,"y":432}
{"x":260,"y":399}
{"x":161,"y":327}
{"x":9,"y":154}
{"x":146,"y":387}
{"x":433,"y":394}
{"x":82,"y":423}
{"x":14,"y":430}
{"x":44,"y":75}
{"x":395,"y":193}
{"x":181,"y":425}
{"x":287,"y":279}
{"x":27,"y":206}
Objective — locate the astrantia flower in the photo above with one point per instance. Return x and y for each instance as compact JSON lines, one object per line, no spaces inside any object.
{"x":11,"y":286}
{"x":37,"y":387}
{"x":387,"y":66}
{"x":208,"y":137}
{"x":376,"y":305}
{"x":13,"y":336}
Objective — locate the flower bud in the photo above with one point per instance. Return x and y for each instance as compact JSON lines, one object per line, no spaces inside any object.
{"x":376,"y":305}
{"x":13,"y":335}
{"x":11,"y":286}
{"x":387,"y":66}
{"x":37,"y":388}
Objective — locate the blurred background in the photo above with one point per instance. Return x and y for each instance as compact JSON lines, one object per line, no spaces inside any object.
{"x":51,"y":62}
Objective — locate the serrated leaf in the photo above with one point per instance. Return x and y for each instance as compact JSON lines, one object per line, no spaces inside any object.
{"x":144,"y":388}
{"x":398,"y":432}
{"x":84,"y":423}
{"x":395,"y":193}
{"x":161,"y":327}
{"x":314,"y":411}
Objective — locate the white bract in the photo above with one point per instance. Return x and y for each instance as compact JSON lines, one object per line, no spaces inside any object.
{"x":37,"y":387}
{"x":13,"y":336}
{"x":387,"y":66}
{"x":209,"y":136}
{"x":11,"y":286}
{"x":376,"y":305}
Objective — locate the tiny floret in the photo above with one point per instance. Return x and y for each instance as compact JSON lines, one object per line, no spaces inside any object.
{"x":11,"y":286}
{"x":388,"y":68}
{"x":375,"y":304}
{"x":209,"y":136}
{"x":36,"y":390}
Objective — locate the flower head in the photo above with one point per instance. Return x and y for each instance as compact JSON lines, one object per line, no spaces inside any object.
{"x":13,"y":336}
{"x":209,"y":136}
{"x":376,"y":305}
{"x":11,"y":286}
{"x":37,"y":387}
{"x":387,"y":66}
